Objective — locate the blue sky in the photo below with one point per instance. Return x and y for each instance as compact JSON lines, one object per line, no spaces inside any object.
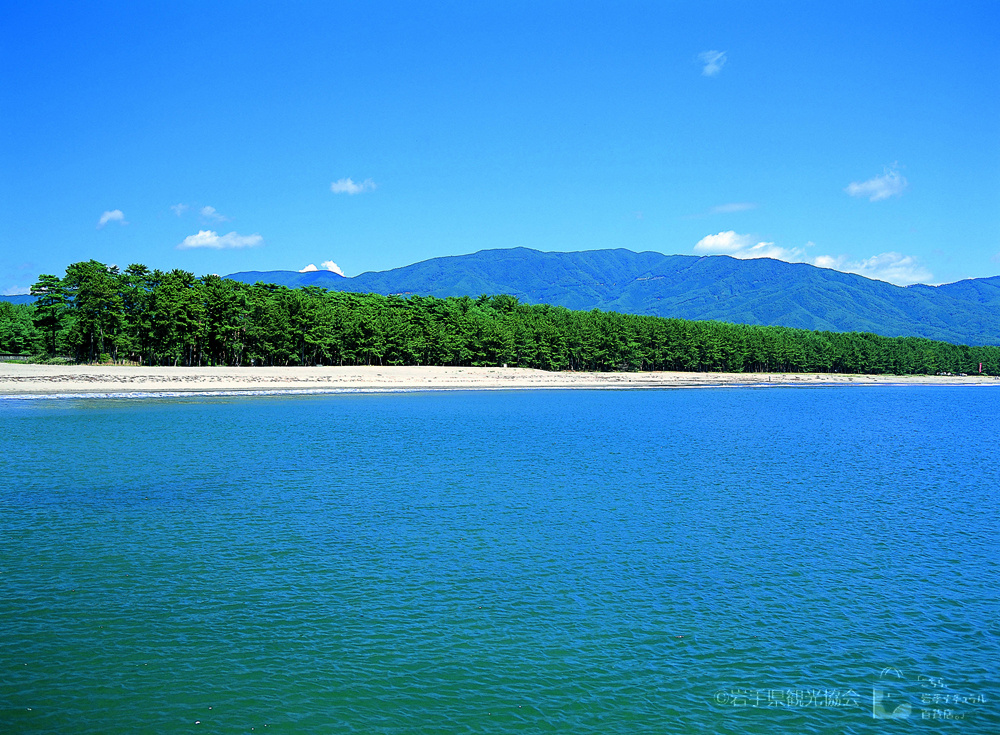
{"x":222,"y":137}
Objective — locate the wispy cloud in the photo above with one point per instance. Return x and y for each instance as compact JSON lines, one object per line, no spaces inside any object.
{"x":113,"y":215}
{"x":733,"y":207}
{"x":16,"y":291}
{"x":206,"y":213}
{"x":892,"y":267}
{"x":890,"y":184}
{"x":712,"y":61}
{"x":770,"y":250}
{"x":211,"y":239}
{"x":326,"y":265}
{"x":347,"y":186}
{"x":211,"y":214}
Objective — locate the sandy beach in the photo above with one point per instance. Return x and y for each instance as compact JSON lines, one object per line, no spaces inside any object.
{"x":24,"y":380}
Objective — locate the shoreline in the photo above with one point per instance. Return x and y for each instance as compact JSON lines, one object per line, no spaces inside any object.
{"x":37,"y":381}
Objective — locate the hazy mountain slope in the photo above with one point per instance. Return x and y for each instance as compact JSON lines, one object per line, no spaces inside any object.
{"x":798,"y":295}
{"x":760,"y":291}
{"x":982,"y":291}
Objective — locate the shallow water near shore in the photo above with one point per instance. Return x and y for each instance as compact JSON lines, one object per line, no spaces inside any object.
{"x":721,"y":560}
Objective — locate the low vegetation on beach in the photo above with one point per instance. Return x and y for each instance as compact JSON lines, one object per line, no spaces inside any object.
{"x":98,"y":313}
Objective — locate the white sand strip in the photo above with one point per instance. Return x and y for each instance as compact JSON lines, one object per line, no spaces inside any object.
{"x":20,"y":380}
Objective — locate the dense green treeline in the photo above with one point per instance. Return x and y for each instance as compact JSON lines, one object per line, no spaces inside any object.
{"x":18,"y":334}
{"x":98,"y":313}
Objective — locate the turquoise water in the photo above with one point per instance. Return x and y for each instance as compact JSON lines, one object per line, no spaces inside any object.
{"x":717,"y":560}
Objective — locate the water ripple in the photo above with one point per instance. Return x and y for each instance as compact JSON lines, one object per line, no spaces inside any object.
{"x":715,"y":561}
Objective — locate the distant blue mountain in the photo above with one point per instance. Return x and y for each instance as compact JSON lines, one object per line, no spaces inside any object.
{"x":25,"y":299}
{"x":758,"y":291}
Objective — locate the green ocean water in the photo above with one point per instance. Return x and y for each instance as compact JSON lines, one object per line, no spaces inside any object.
{"x":718,"y":560}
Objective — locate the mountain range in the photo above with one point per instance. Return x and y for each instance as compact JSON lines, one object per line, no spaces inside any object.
{"x":757,"y":291}
{"x":19,"y":299}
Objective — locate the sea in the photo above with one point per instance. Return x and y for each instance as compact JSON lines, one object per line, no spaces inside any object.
{"x":718,"y":560}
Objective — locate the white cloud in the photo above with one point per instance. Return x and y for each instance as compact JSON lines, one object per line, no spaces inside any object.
{"x":329,"y":265}
{"x":179,"y":209}
{"x":770,"y":250}
{"x":713,"y":62}
{"x":892,"y":267}
{"x":890,"y":184}
{"x":114,"y":215}
{"x":725,"y":242}
{"x":19,"y":291}
{"x":744,"y":247}
{"x":210,"y":213}
{"x":733,"y":207}
{"x":211,"y":239}
{"x":828,"y":261}
{"x":347,"y":186}
{"x":326,"y":265}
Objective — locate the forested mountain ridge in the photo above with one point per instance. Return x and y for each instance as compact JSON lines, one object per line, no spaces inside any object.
{"x":759,"y":292}
{"x":99,"y":313}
